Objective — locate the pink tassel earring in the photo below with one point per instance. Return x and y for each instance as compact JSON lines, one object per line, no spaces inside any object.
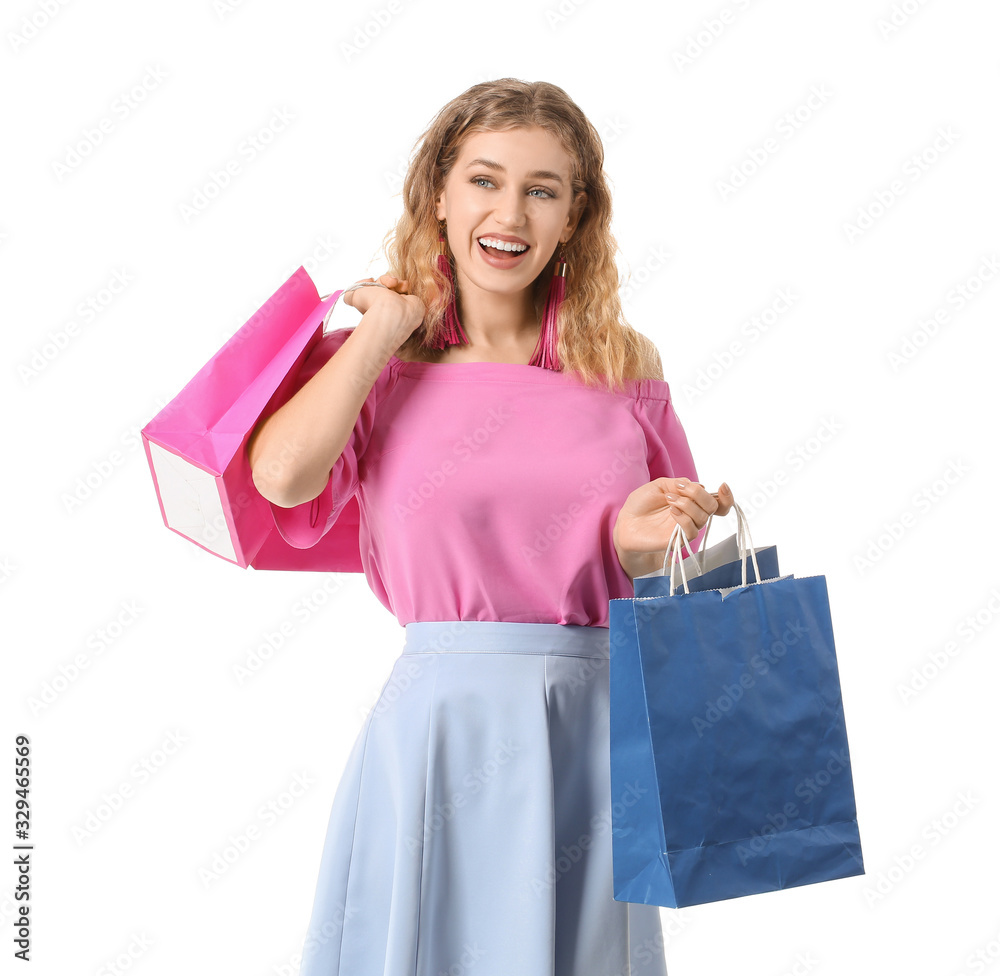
{"x":546,"y":355}
{"x":453,"y":333}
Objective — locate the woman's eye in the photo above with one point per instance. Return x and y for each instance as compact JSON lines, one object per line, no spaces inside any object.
{"x":482,"y":179}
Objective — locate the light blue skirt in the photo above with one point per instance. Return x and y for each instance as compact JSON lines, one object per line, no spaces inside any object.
{"x":471,"y":830}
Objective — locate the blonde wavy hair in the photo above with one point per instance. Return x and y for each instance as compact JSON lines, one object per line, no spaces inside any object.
{"x":594,"y":340}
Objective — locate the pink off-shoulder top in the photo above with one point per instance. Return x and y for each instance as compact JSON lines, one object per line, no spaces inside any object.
{"x":489,"y":491}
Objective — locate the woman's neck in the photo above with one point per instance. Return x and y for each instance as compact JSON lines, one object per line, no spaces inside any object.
{"x":496,"y":323}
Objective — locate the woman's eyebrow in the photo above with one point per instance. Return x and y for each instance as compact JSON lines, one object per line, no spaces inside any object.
{"x":542,"y":174}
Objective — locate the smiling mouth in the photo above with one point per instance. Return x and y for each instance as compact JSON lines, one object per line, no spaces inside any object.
{"x":503,"y":251}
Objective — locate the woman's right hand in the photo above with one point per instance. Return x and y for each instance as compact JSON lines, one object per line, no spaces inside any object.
{"x":403,"y":310}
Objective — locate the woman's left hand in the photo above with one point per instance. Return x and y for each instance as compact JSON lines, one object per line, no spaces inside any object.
{"x":650,"y":513}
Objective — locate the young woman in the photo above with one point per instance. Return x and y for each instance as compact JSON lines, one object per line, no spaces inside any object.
{"x":517,"y":461}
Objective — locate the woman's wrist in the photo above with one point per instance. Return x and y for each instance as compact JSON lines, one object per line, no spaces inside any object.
{"x":637,"y":563}
{"x":385,"y":324}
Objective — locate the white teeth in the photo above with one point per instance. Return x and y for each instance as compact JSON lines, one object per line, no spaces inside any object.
{"x":502,"y":245}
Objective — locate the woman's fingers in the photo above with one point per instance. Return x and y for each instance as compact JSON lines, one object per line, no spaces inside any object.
{"x":396,"y":284}
{"x":699,"y":498}
{"x":725,"y":498}
{"x":691,"y":506}
{"x":719,"y":503}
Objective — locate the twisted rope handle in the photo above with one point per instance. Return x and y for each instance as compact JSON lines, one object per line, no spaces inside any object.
{"x":679,"y":540}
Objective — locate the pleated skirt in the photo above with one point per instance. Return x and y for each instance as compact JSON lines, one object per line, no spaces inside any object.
{"x":471,"y":829}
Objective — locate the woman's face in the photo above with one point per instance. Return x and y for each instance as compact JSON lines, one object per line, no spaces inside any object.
{"x":513,"y":184}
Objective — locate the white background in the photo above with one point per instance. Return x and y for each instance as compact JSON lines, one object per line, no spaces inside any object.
{"x":839,"y":452}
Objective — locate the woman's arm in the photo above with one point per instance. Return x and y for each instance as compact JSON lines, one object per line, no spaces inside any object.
{"x":292,"y":452}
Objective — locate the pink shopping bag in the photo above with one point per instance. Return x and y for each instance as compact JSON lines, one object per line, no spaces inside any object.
{"x":197,"y":444}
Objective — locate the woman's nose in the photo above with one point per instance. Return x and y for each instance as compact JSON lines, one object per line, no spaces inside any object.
{"x":510,"y":212}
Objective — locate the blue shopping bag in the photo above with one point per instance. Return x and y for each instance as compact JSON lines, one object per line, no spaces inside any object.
{"x":730,"y":767}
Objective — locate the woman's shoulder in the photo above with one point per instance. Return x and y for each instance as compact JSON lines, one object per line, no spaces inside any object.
{"x":647,"y":382}
{"x":645,"y":388}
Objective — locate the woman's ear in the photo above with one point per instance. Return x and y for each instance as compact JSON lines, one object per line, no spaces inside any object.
{"x":576,"y":212}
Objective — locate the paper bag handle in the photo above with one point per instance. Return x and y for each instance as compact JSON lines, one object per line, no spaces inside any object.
{"x":698,"y":558}
{"x":337,"y":295}
{"x":679,"y":539}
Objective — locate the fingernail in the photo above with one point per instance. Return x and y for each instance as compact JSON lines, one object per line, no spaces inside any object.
{"x":672,"y":497}
{"x":725,"y":487}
